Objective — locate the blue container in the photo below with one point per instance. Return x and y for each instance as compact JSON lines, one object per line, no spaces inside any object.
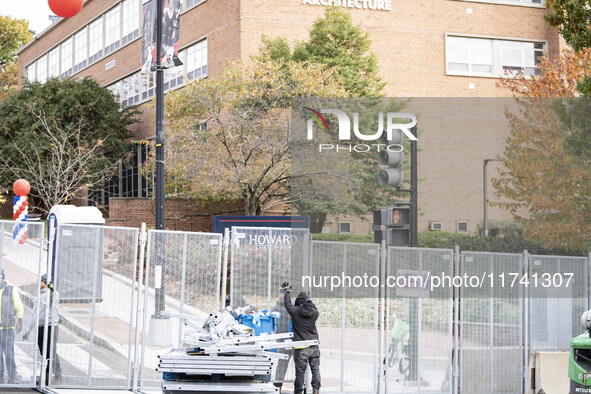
{"x":264,"y":325}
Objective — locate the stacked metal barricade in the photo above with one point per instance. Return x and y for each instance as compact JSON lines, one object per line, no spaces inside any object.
{"x":220,"y":355}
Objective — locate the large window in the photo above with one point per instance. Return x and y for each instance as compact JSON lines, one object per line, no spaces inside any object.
{"x":148,"y":85}
{"x":130,"y":90}
{"x":521,"y":56}
{"x":80,"y":49}
{"x":66,"y":58}
{"x":53,"y":69}
{"x":469,"y":55}
{"x":112,"y":30}
{"x":42,"y":69}
{"x":95,"y":41}
{"x":197,"y":60}
{"x":131,"y":15}
{"x":30,"y":72}
{"x":173,"y":77}
{"x":491,"y":57}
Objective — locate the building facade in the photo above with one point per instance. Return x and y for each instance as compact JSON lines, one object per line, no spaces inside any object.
{"x":440,"y":48}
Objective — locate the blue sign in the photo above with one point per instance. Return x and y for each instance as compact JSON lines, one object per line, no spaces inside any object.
{"x":220,"y":223}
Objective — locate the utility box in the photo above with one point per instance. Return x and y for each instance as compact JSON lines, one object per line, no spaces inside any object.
{"x":77,"y":252}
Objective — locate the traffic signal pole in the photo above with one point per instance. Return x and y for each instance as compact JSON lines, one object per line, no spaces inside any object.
{"x":414,"y":215}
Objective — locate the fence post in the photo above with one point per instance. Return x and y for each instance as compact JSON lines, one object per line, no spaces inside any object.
{"x":525,"y":338}
{"x":456,"y":327}
{"x":138,"y":281}
{"x":225,"y":269}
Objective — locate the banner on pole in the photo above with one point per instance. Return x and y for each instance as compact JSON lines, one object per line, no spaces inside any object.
{"x":169,"y":54}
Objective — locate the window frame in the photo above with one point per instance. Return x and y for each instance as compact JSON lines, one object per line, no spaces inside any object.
{"x":497,"y":67}
{"x":350,"y":226}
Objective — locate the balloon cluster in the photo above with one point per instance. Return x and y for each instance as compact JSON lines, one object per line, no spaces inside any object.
{"x":20,"y":210}
{"x":65,"y":8}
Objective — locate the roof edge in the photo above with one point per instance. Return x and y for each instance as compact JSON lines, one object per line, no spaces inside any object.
{"x":47,"y":30}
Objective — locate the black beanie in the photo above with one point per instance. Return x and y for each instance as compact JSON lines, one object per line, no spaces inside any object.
{"x":301,"y":298}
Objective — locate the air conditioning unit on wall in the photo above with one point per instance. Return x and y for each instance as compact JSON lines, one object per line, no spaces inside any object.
{"x":435,"y":226}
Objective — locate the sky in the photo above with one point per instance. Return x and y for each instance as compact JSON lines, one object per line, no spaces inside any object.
{"x":35,"y":11}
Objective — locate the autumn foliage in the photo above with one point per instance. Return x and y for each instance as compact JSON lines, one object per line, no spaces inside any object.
{"x":546,"y":180}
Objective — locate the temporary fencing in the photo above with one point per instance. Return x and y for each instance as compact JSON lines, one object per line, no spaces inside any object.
{"x":120,"y":289}
{"x":21,"y":264}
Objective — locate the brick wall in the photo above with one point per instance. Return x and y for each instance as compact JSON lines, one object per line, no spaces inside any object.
{"x":180,"y":214}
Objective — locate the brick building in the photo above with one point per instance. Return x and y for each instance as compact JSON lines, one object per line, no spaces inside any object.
{"x":439,"y":48}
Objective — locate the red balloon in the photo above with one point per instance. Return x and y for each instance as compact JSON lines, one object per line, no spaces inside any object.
{"x":65,"y":8}
{"x":21,"y":187}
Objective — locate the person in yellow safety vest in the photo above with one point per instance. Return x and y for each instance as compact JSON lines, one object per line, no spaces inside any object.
{"x":11,"y":321}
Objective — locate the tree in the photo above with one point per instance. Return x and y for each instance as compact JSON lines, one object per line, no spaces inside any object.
{"x":14,"y":33}
{"x":572,"y":17}
{"x":337,"y":44}
{"x":63,"y":136}
{"x":228,"y":136}
{"x":334,"y":42}
{"x":546,"y":178}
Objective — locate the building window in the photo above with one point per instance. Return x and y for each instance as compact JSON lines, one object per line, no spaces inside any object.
{"x":116,"y":90}
{"x":197,"y":60}
{"x":80,"y":50}
{"x":491,"y":57}
{"x":173,"y":77}
{"x":148,"y":85}
{"x":30,"y":72}
{"x":131,"y":21}
{"x":130,"y":90}
{"x":53,"y":68}
{"x":344,"y":227}
{"x":193,"y":3}
{"x":95,"y":40}
{"x":469,"y":55}
{"x":521,"y":56}
{"x":42,"y":69}
{"x":132,"y":181}
{"x":462,"y":227}
{"x":112,"y":30}
{"x":66,"y":53}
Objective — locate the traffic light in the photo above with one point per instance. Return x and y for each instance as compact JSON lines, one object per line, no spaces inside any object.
{"x":397,"y":223}
{"x":392,"y":155}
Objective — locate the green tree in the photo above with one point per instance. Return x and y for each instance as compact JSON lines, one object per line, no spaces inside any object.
{"x":334,"y":42}
{"x":63,"y":136}
{"x":13,"y":34}
{"x":228,"y":136}
{"x":337,"y":44}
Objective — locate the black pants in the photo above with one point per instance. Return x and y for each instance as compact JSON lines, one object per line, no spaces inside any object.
{"x":301,"y":358}
{"x":57,"y":369}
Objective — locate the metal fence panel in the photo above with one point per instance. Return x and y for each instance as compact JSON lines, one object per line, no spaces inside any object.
{"x":22,"y":264}
{"x":418,"y":326}
{"x":261,"y":260}
{"x":95,"y":269}
{"x":555,"y":311}
{"x":491,"y":357}
{"x":348,"y":323}
{"x":183,"y":276}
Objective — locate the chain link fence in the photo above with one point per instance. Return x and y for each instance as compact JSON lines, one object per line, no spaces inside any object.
{"x":21,"y":263}
{"x":94,"y":273}
{"x":382,"y":338}
{"x":418,"y":325}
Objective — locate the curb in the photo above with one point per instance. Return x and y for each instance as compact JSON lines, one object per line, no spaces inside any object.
{"x":80,"y":329}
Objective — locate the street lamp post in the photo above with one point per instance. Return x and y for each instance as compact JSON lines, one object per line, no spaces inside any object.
{"x":484,"y":195}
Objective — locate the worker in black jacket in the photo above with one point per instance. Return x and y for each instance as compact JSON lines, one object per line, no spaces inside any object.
{"x":303,"y":317}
